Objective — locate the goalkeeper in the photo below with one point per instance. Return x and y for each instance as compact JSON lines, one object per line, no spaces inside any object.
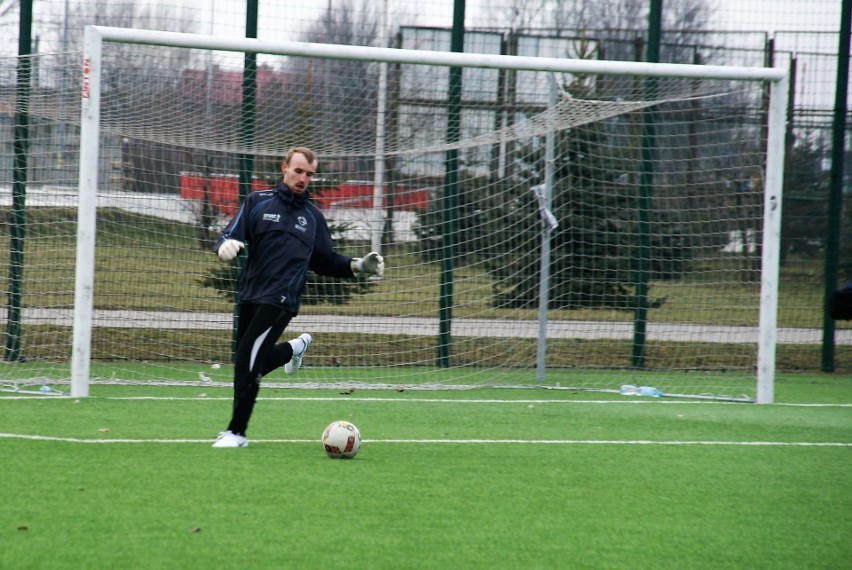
{"x":285,"y":234}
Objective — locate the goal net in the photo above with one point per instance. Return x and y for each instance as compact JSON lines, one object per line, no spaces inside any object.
{"x":546,"y":221}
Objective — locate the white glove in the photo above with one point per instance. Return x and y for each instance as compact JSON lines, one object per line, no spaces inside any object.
{"x":230,"y":249}
{"x":370,"y":263}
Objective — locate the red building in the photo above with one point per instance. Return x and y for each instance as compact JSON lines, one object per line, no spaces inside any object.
{"x":224,"y":189}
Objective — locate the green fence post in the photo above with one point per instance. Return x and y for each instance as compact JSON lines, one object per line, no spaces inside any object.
{"x":19,"y":182}
{"x":646,"y":182}
{"x":835,"y":193}
{"x":450,"y":201}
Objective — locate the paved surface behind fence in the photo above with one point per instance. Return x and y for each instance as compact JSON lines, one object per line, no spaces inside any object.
{"x":461,"y":327}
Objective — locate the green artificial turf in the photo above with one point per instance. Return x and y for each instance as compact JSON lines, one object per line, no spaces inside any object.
{"x":476,"y":479}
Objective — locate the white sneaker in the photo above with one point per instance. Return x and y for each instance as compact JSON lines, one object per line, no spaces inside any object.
{"x":230,"y":439}
{"x":300,"y":345}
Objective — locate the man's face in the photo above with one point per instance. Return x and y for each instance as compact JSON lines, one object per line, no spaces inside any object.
{"x":298,"y":173}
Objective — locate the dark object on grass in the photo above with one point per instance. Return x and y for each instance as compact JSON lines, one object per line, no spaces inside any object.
{"x":840,"y":303}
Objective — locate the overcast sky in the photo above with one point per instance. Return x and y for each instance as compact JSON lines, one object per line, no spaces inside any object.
{"x":753,"y":15}
{"x":284,"y":19}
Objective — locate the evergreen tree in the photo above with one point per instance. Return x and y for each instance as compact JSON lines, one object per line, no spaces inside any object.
{"x":591,"y":249}
{"x":594,"y":246}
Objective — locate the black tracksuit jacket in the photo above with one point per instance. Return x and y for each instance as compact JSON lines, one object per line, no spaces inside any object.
{"x":285,"y":234}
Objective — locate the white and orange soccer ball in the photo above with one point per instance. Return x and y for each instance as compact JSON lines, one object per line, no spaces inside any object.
{"x":341,"y":440}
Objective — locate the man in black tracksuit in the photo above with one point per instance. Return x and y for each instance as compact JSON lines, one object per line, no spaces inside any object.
{"x":286,"y":235}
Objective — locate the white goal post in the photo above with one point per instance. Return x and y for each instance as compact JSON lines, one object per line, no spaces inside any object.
{"x":90,"y":133}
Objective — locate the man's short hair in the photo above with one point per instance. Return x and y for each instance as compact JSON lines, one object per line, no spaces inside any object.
{"x":840,"y":304}
{"x":308,"y":154}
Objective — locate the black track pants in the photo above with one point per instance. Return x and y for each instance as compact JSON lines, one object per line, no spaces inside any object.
{"x":258,"y":330}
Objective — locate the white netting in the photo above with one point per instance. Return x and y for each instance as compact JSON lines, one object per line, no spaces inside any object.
{"x":459,"y":304}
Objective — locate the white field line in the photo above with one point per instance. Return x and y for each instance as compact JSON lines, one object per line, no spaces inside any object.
{"x":35,"y":395}
{"x":449,"y":441}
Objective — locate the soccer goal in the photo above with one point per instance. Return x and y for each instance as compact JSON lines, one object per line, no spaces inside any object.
{"x":546,"y":221}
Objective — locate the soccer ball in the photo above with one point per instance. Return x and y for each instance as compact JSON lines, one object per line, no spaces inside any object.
{"x":341,"y":440}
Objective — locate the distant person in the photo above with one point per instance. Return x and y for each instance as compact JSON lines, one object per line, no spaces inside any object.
{"x":285,"y":235}
{"x":840,"y":303}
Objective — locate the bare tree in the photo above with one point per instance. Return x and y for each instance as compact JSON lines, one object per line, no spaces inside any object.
{"x":6,"y":8}
{"x":9,"y":25}
{"x":167,"y":17}
{"x":348,"y":23}
{"x":338,"y":102}
{"x":516,"y":15}
{"x":615,"y":23}
{"x":138,"y":82}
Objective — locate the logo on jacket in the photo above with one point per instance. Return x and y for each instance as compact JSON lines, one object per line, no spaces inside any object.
{"x":272,"y":217}
{"x":302,"y":223}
